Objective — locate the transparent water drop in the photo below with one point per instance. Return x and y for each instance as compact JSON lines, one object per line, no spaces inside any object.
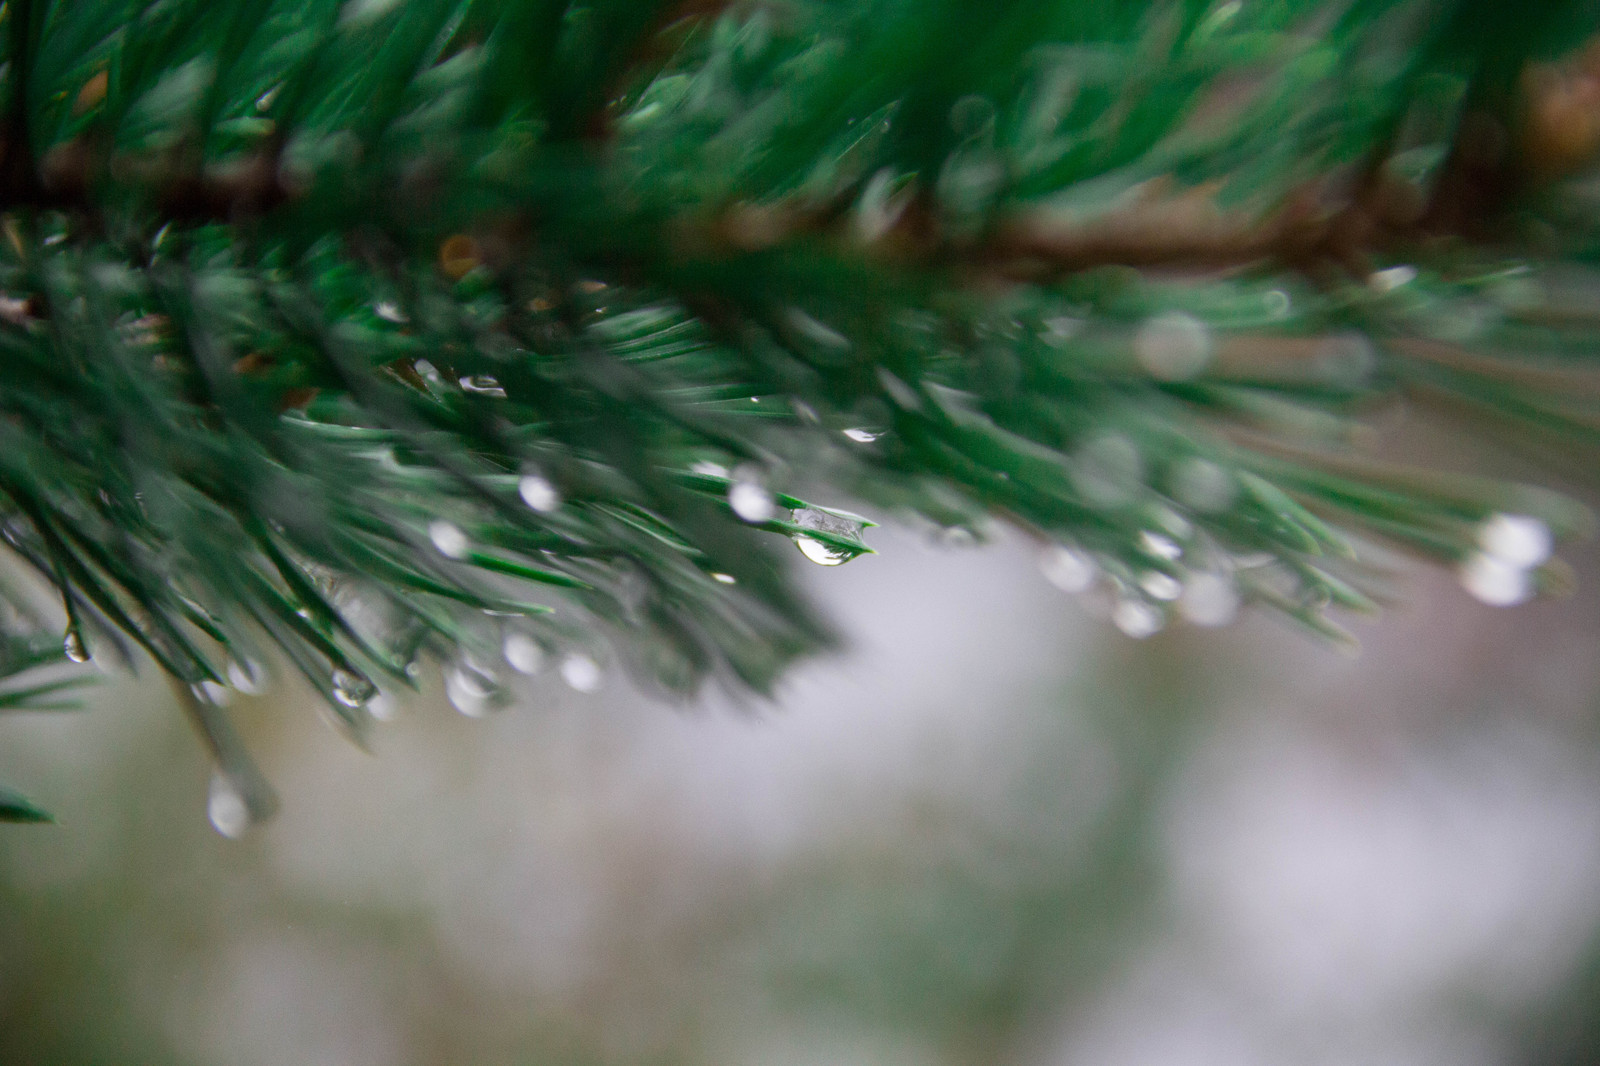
{"x":351,"y":689}
{"x":1173,"y":346}
{"x":1516,"y":539}
{"x":1160,"y":586}
{"x":469,"y":688}
{"x":448,"y":538}
{"x":1386,"y":281}
{"x":226,"y":807}
{"x":524,"y":654}
{"x":428,"y":371}
{"x":73,"y":646}
{"x":1066,"y":569}
{"x":249,"y":677}
{"x":1495,"y":581}
{"x":1277,"y":303}
{"x":1203,"y":486}
{"x":538,"y":492}
{"x":212,"y":692}
{"x":1159,"y":545}
{"x":817,"y":551}
{"x":724,"y":579}
{"x":482,"y":385}
{"x":1107,"y":470}
{"x":382,"y":707}
{"x":863,"y":436}
{"x":1345,"y":360}
{"x":1137,"y":619}
{"x":581,"y":672}
{"x":1209,"y":600}
{"x":1060,"y":329}
{"x":390,"y":311}
{"x":751,"y":500}
{"x":709,"y":469}
{"x":264,"y":101}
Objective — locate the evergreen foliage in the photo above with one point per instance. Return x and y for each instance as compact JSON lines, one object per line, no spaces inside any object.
{"x":368,"y":331}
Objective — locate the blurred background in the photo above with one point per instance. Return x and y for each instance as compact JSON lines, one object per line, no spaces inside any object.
{"x":994,"y":831}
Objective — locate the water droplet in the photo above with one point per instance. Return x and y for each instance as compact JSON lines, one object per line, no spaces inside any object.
{"x":427,"y":371}
{"x":1173,"y":346}
{"x":212,"y":692}
{"x":382,"y":707}
{"x":226,"y":807}
{"x":724,"y":579}
{"x":390,"y":311}
{"x":264,"y":101}
{"x":709,"y":469}
{"x":817,"y":551}
{"x":1277,"y":303}
{"x":1209,"y":600}
{"x":482,"y":384}
{"x":1516,"y":539}
{"x":351,"y":689}
{"x":1137,"y":618}
{"x":1203,"y":486}
{"x":1160,"y":586}
{"x":1060,"y":329}
{"x":538,"y":493}
{"x":448,"y":538}
{"x":1159,"y":545}
{"x":750,"y":500}
{"x":581,"y":672}
{"x":470,"y":688}
{"x":1066,"y":569}
{"x":72,"y":644}
{"x":1386,"y":281}
{"x":863,"y":436}
{"x":1495,"y":581}
{"x":1107,"y":470}
{"x":249,"y":677}
{"x":523,"y":653}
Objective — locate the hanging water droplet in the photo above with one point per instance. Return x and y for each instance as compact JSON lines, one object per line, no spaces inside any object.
{"x":523,"y":653}
{"x":1173,"y":346}
{"x":448,"y":538}
{"x":226,"y":807}
{"x":249,"y":677}
{"x":581,"y":672}
{"x":212,"y":692}
{"x":1209,"y":600}
{"x":382,"y":707}
{"x":390,"y":311}
{"x":1137,"y":618}
{"x":1495,"y":581}
{"x":351,"y":689}
{"x":72,"y":644}
{"x":538,"y":492}
{"x":1107,"y":470}
{"x":470,"y":688}
{"x":750,"y":499}
{"x":724,"y":579}
{"x":709,"y":469}
{"x":1159,"y":545}
{"x":264,"y":101}
{"x":1203,"y":486}
{"x":1386,"y":281}
{"x":1160,"y":586}
{"x":1519,"y":540}
{"x":863,"y":436}
{"x":819,"y":552}
{"x":481,"y":384}
{"x":1066,"y":569}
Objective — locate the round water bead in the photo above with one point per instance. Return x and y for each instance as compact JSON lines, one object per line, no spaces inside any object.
{"x":751,"y":501}
{"x":226,"y":806}
{"x":1495,"y":581}
{"x":1209,"y":600}
{"x":73,"y":647}
{"x":524,"y":654}
{"x":820,"y":552}
{"x":1516,"y":539}
{"x":1067,"y":569}
{"x":1137,"y":618}
{"x":1173,"y":346}
{"x":448,"y":539}
{"x":581,"y":672}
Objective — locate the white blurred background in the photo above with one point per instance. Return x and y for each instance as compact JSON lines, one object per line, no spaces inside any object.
{"x":996,"y":831}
